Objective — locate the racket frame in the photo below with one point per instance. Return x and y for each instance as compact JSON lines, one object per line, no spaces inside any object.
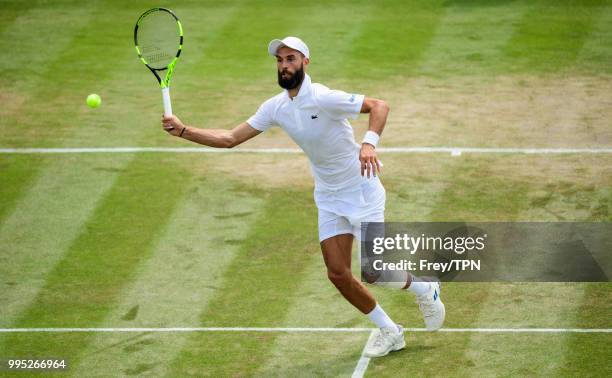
{"x":164,"y":83}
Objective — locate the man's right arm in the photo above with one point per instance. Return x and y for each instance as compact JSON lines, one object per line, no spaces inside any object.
{"x":219,"y":138}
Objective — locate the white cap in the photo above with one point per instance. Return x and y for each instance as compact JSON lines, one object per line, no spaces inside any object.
{"x":291,"y":42}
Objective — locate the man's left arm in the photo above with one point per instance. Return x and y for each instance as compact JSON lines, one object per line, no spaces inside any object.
{"x":378,"y":110}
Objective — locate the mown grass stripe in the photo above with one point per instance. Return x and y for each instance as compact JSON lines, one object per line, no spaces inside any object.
{"x":593,"y":310}
{"x":596,"y":53}
{"x":553,"y":304}
{"x":269,"y":265}
{"x":326,"y":52}
{"x":85,"y":284}
{"x":551,"y":35}
{"x":17,"y":174}
{"x":35,"y":38}
{"x":11,"y":10}
{"x":397,"y":35}
{"x":184,"y":272}
{"x":45,"y":221}
{"x":523,"y":306}
{"x":470,"y":38}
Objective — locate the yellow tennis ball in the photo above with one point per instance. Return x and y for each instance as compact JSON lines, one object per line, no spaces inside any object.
{"x":93,"y":100}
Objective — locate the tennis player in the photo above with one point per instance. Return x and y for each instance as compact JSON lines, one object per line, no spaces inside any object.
{"x":347,"y":191}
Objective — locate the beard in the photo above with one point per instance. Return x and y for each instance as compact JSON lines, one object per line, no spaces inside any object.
{"x":293,"y":81}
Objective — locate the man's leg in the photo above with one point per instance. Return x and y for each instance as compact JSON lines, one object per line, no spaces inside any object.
{"x":337,"y":255}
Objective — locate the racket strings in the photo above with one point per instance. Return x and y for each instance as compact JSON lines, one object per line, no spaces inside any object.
{"x":158,"y":38}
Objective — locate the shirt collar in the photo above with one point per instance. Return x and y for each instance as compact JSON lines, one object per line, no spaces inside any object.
{"x":304,"y":88}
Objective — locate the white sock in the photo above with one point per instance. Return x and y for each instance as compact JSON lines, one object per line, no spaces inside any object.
{"x":419,"y":287}
{"x":380,"y":318}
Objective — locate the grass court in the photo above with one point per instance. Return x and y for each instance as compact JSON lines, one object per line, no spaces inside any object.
{"x":167,"y":239}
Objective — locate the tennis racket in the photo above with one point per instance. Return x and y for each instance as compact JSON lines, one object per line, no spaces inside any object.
{"x":158,"y":36}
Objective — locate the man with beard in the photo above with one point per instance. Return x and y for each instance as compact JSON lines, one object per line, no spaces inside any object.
{"x":347,"y":189}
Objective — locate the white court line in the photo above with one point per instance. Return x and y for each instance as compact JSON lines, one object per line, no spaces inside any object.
{"x":459,"y":150}
{"x":454,"y":151}
{"x":362,"y":364}
{"x":306,"y":329}
{"x":88,"y":150}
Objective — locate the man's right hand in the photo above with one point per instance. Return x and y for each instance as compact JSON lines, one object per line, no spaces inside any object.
{"x":172,"y":125}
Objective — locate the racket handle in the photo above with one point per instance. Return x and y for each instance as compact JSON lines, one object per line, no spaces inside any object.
{"x":167,"y":103}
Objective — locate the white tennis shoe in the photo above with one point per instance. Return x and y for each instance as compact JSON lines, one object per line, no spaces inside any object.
{"x":432,"y":308}
{"x":386,"y":340}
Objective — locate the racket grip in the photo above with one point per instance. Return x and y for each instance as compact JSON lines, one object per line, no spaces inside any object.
{"x":167,"y":103}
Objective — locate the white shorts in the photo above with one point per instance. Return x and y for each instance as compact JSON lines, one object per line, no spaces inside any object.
{"x":341,"y":212}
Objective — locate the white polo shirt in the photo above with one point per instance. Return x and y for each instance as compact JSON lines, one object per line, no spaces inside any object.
{"x":316,"y":119}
